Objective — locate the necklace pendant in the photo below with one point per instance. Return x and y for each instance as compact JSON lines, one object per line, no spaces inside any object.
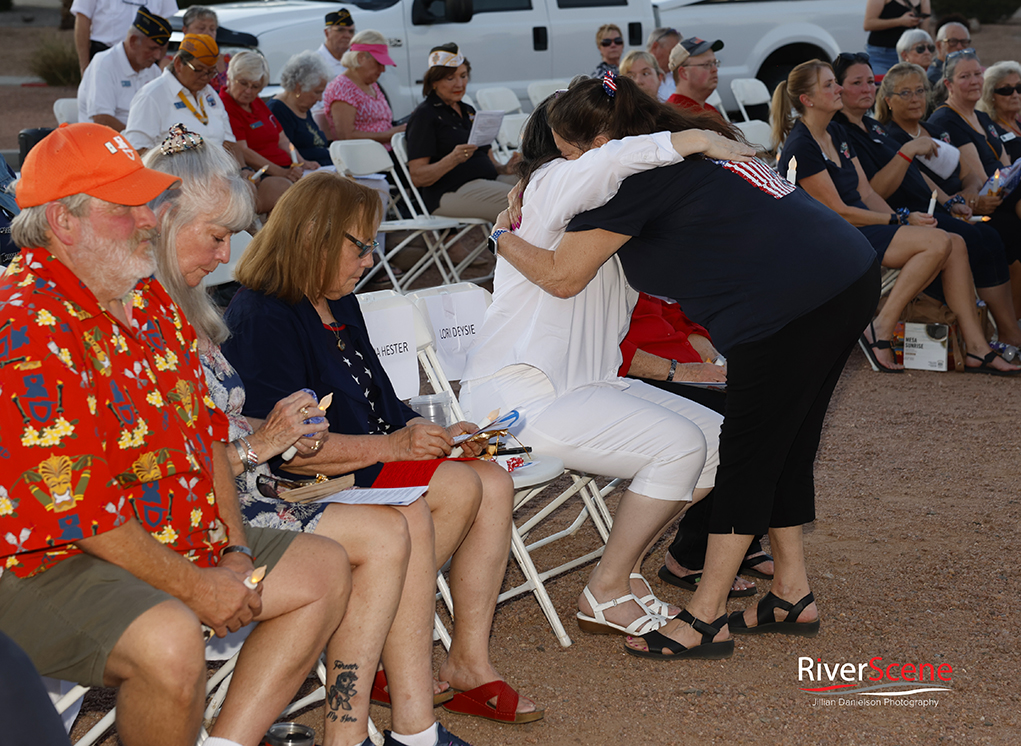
{"x":340,"y":345}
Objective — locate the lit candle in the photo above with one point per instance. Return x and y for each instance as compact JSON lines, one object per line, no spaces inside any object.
{"x":996,"y":182}
{"x":792,"y":170}
{"x":257,"y":174}
{"x":932,"y":202}
{"x":294,"y":156}
{"x":253,"y":580}
{"x":327,"y":400}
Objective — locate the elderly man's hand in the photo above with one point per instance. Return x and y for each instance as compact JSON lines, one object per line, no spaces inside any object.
{"x":221,"y":599}
{"x":419,"y":440}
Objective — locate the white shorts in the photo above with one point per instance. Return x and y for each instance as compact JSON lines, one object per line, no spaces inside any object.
{"x":665,"y":444}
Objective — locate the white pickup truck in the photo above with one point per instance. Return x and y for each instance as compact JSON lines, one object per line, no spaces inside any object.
{"x":514,"y":42}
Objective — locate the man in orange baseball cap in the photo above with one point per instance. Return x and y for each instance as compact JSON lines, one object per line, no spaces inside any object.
{"x":121,"y":546}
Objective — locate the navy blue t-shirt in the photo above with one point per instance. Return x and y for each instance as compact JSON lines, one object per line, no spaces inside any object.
{"x":811,"y":160}
{"x":952,"y":184}
{"x":740,"y":250}
{"x":304,"y":134}
{"x":961,"y":133}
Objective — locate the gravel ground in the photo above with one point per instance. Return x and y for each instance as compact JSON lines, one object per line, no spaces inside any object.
{"x":917,"y":484}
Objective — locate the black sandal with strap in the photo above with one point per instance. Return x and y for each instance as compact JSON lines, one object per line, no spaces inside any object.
{"x":706,"y":650}
{"x":765,"y":621}
{"x":748,"y":565}
{"x":877,"y":344}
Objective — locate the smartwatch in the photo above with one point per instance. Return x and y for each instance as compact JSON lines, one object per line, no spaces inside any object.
{"x":491,"y":242}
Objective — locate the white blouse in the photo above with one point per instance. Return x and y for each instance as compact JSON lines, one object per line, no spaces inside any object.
{"x":573,"y":341}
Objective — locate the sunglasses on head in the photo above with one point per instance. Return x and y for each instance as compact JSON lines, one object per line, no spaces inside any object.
{"x":665,"y":34}
{"x":1007,"y":90}
{"x":923,"y":48}
{"x":853,"y":57}
{"x":951,"y":56}
{"x":608,"y":42}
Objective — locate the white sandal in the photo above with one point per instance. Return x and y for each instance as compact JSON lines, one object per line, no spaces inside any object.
{"x":600,"y":625}
{"x":650,"y":601}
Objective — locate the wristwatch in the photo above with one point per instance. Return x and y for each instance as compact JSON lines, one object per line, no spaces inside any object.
{"x":491,"y":242}
{"x":238,"y":548}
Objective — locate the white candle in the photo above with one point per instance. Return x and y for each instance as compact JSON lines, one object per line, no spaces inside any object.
{"x":792,"y":170}
{"x":932,"y":202}
{"x":294,"y":155}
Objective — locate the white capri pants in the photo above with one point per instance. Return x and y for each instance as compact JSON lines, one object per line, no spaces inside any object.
{"x":665,"y":444}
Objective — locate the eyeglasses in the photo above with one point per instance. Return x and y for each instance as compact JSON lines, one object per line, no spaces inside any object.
{"x":209,"y":72}
{"x":1007,"y":90}
{"x":364,"y":249}
{"x":952,"y":55}
{"x":711,"y":65}
{"x":908,"y":95}
{"x":923,"y":48}
{"x":617,"y":40}
{"x":664,"y":34}
{"x":951,"y":43}
{"x":248,"y":85}
{"x":853,"y":57}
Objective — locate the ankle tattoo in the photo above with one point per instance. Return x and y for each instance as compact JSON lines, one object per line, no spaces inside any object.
{"x":342,"y":691}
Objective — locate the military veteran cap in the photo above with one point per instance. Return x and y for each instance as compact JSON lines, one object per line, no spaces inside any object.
{"x":202,"y":47}
{"x":92,"y":159}
{"x":340,"y":17}
{"x":153,"y":26}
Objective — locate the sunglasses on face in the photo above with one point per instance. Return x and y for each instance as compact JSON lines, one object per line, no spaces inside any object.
{"x":612,"y":42}
{"x":1007,"y":90}
{"x":923,"y":48}
{"x":364,"y":249}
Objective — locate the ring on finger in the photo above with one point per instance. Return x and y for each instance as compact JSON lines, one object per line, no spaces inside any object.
{"x":304,"y":411}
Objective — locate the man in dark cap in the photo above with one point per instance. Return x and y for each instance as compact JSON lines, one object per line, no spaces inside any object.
{"x":100,"y":24}
{"x":114,"y":77}
{"x":340,"y":28}
{"x":696,"y":73}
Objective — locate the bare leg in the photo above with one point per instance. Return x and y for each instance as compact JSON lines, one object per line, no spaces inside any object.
{"x":791,"y":580}
{"x":919,"y":254}
{"x":378,"y":545}
{"x":1015,"y":284}
{"x":160,"y":666}
{"x":304,"y":600}
{"x":476,"y":574}
{"x":1000,"y":302}
{"x":268,"y":191}
{"x":451,"y":505}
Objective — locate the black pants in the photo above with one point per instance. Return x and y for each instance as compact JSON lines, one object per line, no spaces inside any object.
{"x":95,"y":47}
{"x":689,"y":545}
{"x":26,"y":714}
{"x":778,"y":390}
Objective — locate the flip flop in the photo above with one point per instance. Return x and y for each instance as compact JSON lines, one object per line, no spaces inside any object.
{"x":879,"y":344}
{"x":380,"y":696}
{"x":748,"y":565}
{"x":765,"y":621}
{"x":690,"y":583}
{"x":476,"y":702}
{"x":706,"y":650}
{"x":986,"y":365}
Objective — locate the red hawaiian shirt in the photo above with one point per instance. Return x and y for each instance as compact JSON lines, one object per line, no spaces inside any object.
{"x":99,"y":423}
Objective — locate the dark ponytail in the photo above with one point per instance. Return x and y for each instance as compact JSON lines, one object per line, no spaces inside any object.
{"x":586,"y":111}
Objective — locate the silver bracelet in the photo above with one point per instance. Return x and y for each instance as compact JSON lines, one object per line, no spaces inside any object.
{"x":249,"y":459}
{"x":673,"y":369}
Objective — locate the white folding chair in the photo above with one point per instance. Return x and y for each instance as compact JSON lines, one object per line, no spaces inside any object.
{"x":66,"y":110}
{"x":366,"y":158}
{"x":540,"y":90}
{"x":749,"y":92}
{"x":498,"y":99}
{"x":225,"y":272}
{"x":716,"y":101}
{"x":757,"y":133}
{"x":417,"y":206}
{"x":530,"y":482}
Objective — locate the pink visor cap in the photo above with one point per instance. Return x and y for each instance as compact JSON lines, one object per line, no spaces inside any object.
{"x":380,"y":52}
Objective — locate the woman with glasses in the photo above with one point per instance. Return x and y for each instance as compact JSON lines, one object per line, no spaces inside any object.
{"x":296,"y":323}
{"x":828,"y":169}
{"x":259,"y":135}
{"x":893,"y":174}
{"x":610,"y":43}
{"x":354,"y":102}
{"x":916,"y":46}
{"x":196,"y":222}
{"x":886,"y":21}
{"x":1001,"y":100}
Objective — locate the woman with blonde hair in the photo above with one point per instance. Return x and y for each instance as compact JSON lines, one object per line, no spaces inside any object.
{"x":829,"y":170}
{"x":1001,"y":100}
{"x":642,"y":68}
{"x":296,"y":324}
{"x":354,"y":102}
{"x":610,"y":43}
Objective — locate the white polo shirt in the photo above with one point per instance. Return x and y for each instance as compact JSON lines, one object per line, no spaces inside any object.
{"x":157,"y":107}
{"x":109,"y":83}
{"x":111,"y":19}
{"x":333,"y":65}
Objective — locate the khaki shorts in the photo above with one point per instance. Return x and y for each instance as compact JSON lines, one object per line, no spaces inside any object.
{"x":69,"y":618}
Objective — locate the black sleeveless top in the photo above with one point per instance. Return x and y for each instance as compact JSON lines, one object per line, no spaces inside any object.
{"x":889,"y":37}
